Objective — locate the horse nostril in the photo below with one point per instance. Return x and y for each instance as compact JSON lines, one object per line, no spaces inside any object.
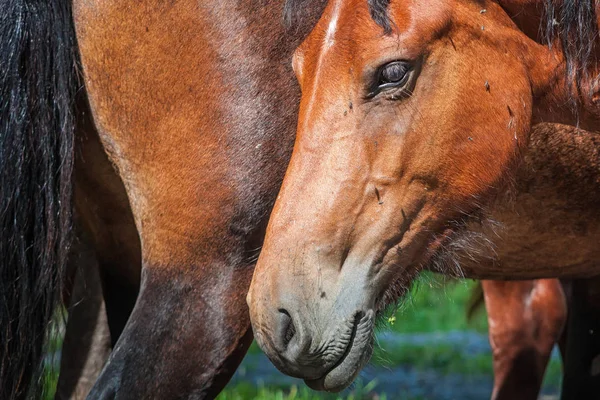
{"x":287,"y":330}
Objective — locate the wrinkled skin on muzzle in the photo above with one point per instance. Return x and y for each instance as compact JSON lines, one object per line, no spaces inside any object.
{"x":399,"y":136}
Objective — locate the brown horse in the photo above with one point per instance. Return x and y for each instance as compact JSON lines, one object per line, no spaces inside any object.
{"x":415,"y":117}
{"x":177,"y":162}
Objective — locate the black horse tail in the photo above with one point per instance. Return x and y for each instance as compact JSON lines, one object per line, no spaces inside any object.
{"x":38,"y":82}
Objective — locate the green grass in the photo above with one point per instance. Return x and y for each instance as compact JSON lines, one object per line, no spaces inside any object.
{"x":553,"y":375}
{"x":444,"y":359}
{"x":247,"y":391}
{"x":52,"y":347}
{"x":50,"y":378}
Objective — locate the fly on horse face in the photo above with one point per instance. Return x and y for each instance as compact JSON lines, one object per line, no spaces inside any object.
{"x":414,"y":116}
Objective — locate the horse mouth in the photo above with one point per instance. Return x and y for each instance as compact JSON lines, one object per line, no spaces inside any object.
{"x":357,"y":353}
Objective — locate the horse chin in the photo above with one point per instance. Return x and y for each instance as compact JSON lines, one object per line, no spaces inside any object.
{"x":356,"y":356}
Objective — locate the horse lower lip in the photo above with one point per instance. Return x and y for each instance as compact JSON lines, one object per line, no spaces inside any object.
{"x":345,"y":370}
{"x":348,"y":371}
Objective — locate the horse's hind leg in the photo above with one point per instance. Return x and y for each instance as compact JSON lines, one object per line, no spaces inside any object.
{"x":525,"y":321}
{"x":87,"y":344}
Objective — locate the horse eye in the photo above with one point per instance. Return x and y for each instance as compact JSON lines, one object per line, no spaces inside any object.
{"x":393,"y":74}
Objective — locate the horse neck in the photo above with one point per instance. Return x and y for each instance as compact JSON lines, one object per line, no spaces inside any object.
{"x":546,"y":211}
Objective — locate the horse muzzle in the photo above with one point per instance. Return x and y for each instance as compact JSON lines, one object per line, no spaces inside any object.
{"x":328,"y":355}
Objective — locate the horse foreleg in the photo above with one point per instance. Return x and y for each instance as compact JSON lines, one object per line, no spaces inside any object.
{"x":525,"y":321}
